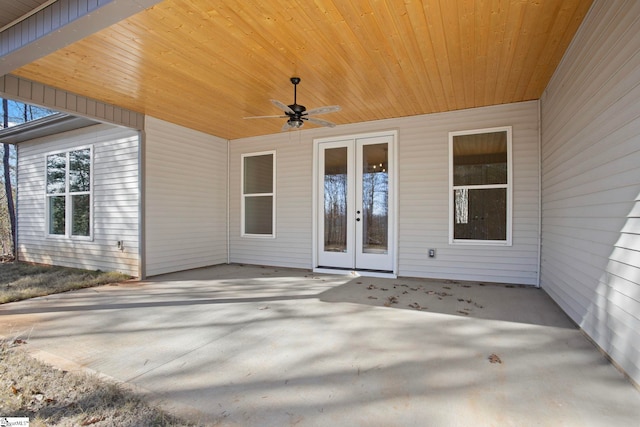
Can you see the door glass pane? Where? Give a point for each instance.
(335, 199)
(375, 198)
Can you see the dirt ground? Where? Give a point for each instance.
(54, 397)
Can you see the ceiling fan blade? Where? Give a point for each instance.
(282, 106)
(320, 122)
(323, 110)
(266, 117)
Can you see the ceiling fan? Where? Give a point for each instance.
(297, 114)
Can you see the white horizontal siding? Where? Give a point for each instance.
(185, 198)
(591, 181)
(115, 201)
(292, 245)
(423, 196)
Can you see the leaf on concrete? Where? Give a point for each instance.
(391, 300)
(494, 358)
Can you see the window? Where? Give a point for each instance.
(68, 193)
(258, 194)
(480, 186)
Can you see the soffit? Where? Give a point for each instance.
(45, 126)
(13, 10)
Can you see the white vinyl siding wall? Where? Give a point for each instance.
(292, 245)
(591, 181)
(115, 201)
(185, 199)
(423, 168)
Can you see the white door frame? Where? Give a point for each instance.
(393, 202)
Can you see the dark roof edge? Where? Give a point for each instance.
(45, 126)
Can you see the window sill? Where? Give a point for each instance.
(70, 238)
(258, 236)
(480, 243)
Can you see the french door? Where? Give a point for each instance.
(355, 225)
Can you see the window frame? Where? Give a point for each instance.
(68, 196)
(508, 186)
(244, 196)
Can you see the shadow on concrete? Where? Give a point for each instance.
(510, 303)
(257, 347)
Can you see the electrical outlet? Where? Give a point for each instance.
(432, 253)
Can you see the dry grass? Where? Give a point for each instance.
(20, 280)
(52, 397)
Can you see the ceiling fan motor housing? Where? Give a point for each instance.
(297, 109)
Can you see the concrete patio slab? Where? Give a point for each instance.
(250, 346)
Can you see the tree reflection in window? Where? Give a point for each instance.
(375, 198)
(79, 170)
(56, 173)
(56, 184)
(56, 215)
(335, 200)
(69, 186)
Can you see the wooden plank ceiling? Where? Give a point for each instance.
(208, 64)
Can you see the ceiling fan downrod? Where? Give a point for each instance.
(295, 81)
